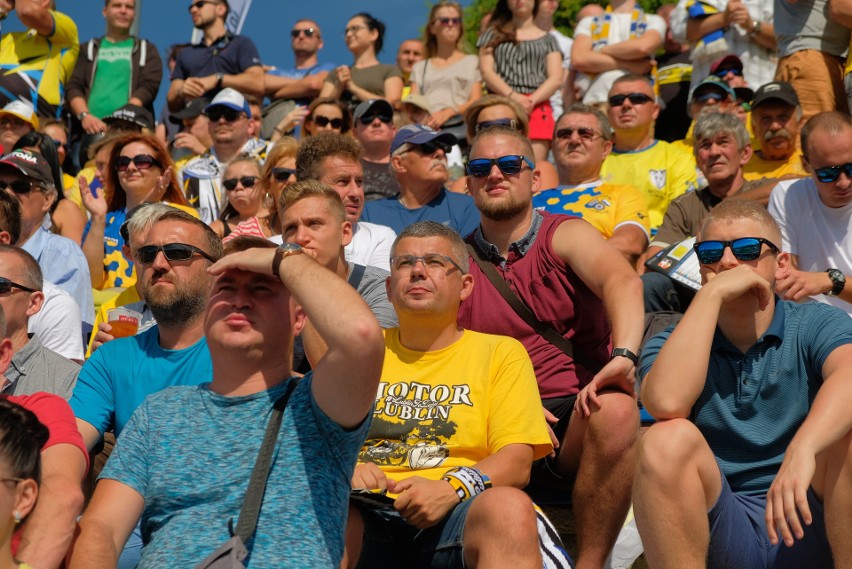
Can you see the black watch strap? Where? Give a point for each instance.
(625, 353)
(838, 281)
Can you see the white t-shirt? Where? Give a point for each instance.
(58, 324)
(565, 45)
(820, 236)
(619, 31)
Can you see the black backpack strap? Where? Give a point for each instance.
(356, 275)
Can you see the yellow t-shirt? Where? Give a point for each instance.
(758, 168)
(453, 407)
(661, 172)
(605, 206)
(27, 58)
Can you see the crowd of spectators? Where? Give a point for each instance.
(371, 314)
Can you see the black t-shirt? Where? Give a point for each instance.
(379, 182)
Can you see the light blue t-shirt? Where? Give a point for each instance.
(190, 452)
(122, 373)
(456, 211)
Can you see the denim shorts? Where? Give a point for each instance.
(738, 535)
(389, 541)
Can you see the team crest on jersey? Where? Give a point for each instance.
(598, 204)
(658, 178)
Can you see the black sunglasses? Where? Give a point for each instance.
(216, 113)
(6, 286)
(19, 187)
(634, 98)
(322, 121)
(744, 249)
(429, 148)
(141, 161)
(508, 165)
(510, 123)
(172, 251)
(201, 3)
(283, 174)
(245, 181)
(309, 33)
(828, 174)
(368, 119)
(584, 132)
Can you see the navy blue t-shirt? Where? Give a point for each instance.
(230, 55)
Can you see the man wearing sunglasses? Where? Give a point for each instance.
(335, 160)
(660, 170)
(231, 131)
(302, 83)
(571, 279)
(374, 129)
(419, 162)
(27, 177)
(776, 117)
(581, 142)
(219, 60)
(753, 441)
(814, 215)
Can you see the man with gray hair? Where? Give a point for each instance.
(419, 162)
(722, 148)
(581, 142)
(26, 175)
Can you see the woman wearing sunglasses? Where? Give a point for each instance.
(493, 110)
(521, 61)
(241, 180)
(366, 78)
(327, 115)
(448, 78)
(139, 170)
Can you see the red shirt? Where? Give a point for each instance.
(555, 294)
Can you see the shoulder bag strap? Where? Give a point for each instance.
(544, 330)
(257, 484)
(356, 276)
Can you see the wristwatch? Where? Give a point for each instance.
(755, 27)
(282, 251)
(81, 116)
(838, 281)
(624, 353)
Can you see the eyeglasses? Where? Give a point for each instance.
(448, 21)
(829, 174)
(709, 96)
(722, 73)
(309, 33)
(141, 161)
(432, 262)
(245, 181)
(198, 5)
(323, 122)
(172, 251)
(429, 148)
(216, 113)
(6, 286)
(353, 29)
(508, 165)
(586, 134)
(20, 187)
(509, 123)
(368, 119)
(744, 249)
(11, 122)
(283, 174)
(634, 98)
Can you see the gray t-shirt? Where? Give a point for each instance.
(189, 452)
(805, 24)
(372, 290)
(378, 180)
(34, 368)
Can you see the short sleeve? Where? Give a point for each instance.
(485, 38)
(584, 27)
(54, 413)
(778, 210)
(93, 399)
(657, 24)
(632, 209)
(650, 351)
(247, 56)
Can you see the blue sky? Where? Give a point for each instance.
(166, 22)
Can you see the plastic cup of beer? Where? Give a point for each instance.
(124, 322)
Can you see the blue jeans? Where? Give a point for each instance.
(132, 552)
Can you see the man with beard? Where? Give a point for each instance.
(419, 162)
(172, 251)
(574, 281)
(776, 116)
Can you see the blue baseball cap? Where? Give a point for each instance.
(420, 134)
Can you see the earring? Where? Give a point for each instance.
(17, 517)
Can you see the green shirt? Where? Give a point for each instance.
(111, 86)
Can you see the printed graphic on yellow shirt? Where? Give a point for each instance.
(411, 424)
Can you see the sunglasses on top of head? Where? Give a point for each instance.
(508, 165)
(141, 161)
(634, 98)
(172, 251)
(744, 249)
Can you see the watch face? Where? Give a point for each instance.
(290, 248)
